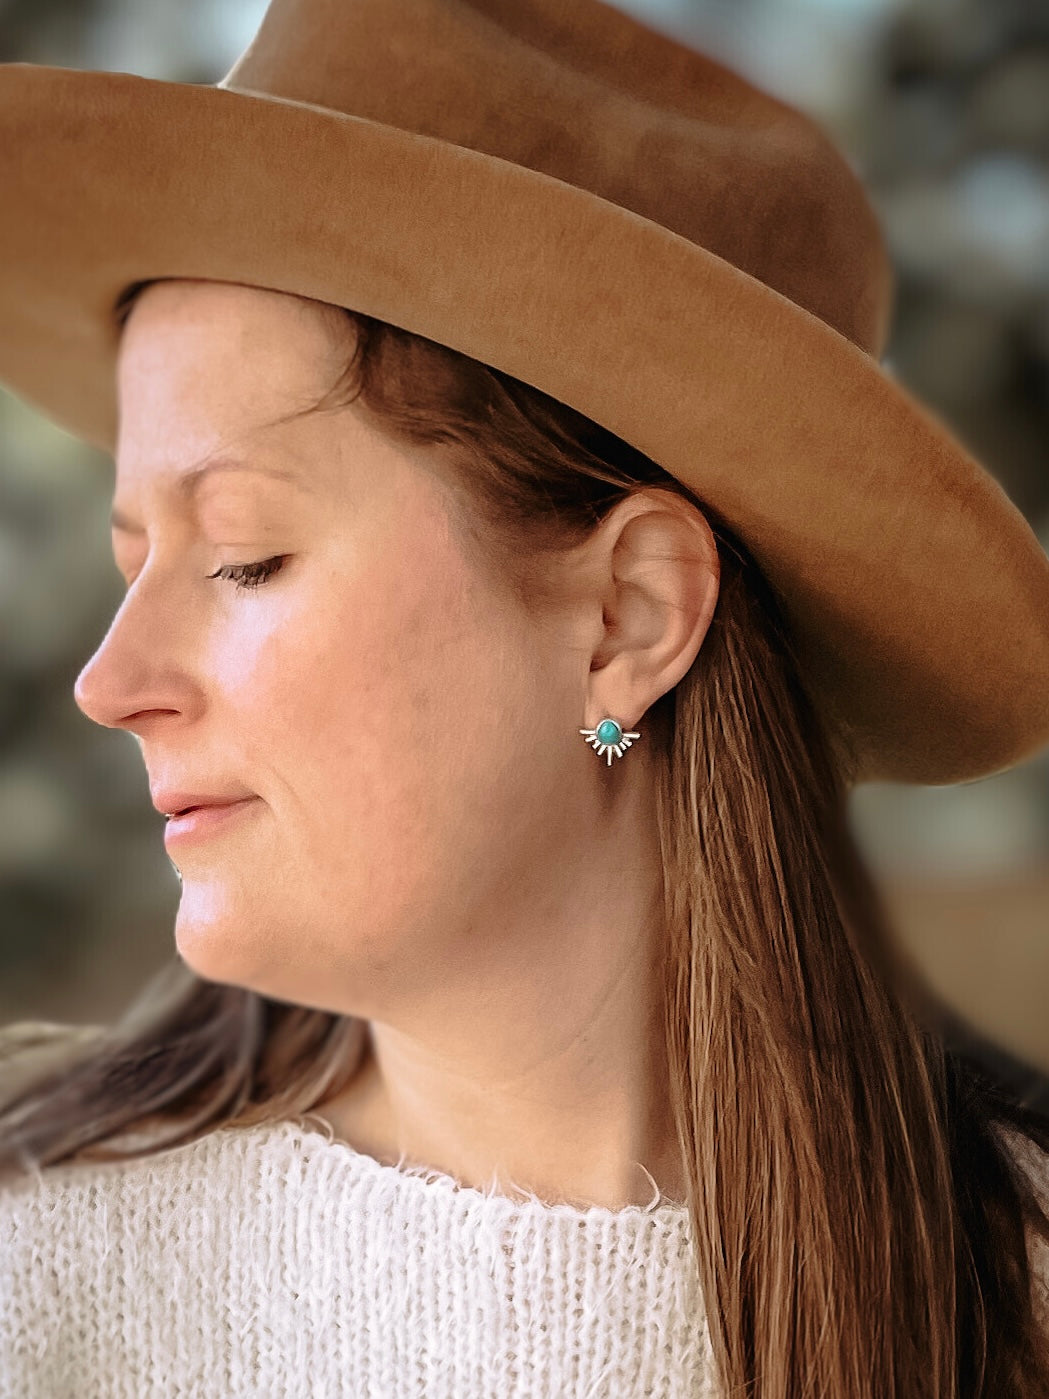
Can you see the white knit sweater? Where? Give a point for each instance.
(275, 1262)
(272, 1262)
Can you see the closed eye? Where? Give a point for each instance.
(250, 575)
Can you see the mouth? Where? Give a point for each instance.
(204, 806)
(195, 822)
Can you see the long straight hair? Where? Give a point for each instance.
(859, 1217)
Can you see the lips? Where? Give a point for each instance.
(175, 803)
(203, 822)
(201, 806)
(206, 806)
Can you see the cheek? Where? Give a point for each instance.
(377, 713)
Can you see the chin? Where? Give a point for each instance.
(215, 946)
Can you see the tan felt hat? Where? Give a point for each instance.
(580, 201)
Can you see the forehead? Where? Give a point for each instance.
(208, 370)
(178, 320)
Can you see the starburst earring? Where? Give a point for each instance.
(609, 738)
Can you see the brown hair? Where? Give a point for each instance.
(859, 1222)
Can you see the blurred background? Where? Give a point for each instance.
(943, 108)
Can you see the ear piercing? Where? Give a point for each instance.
(609, 738)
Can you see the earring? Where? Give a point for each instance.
(609, 738)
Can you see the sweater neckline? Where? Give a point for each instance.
(316, 1134)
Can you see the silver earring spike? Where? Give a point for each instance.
(609, 738)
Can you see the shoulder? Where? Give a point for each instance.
(82, 1242)
(1032, 1160)
(31, 1051)
(1034, 1163)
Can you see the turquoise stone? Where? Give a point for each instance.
(608, 731)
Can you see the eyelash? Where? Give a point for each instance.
(250, 575)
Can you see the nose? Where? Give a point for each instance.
(135, 674)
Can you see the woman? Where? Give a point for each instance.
(489, 1071)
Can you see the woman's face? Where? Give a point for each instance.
(397, 722)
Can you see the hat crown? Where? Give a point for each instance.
(590, 96)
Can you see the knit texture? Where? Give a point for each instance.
(272, 1261)
(276, 1261)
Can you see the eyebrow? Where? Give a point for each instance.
(187, 484)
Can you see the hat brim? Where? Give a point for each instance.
(917, 592)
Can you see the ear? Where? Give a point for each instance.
(654, 576)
